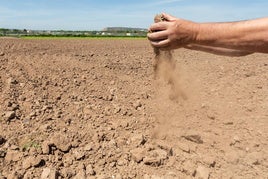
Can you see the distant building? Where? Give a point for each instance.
(128, 29)
(105, 33)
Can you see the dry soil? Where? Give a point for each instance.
(93, 109)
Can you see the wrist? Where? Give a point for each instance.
(187, 32)
(202, 33)
(196, 31)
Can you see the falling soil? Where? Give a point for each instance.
(168, 79)
(165, 68)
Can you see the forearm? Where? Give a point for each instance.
(218, 50)
(249, 36)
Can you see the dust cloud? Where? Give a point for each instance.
(167, 71)
(165, 68)
(170, 93)
(168, 79)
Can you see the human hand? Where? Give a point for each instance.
(172, 33)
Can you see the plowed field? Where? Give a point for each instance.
(94, 109)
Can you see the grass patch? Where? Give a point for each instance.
(31, 144)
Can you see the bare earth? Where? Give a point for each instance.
(94, 109)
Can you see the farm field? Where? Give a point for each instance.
(93, 108)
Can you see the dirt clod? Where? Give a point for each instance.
(13, 156)
(184, 147)
(81, 174)
(62, 142)
(90, 171)
(49, 173)
(201, 172)
(138, 154)
(45, 147)
(78, 154)
(137, 104)
(32, 162)
(155, 157)
(138, 140)
(9, 115)
(194, 138)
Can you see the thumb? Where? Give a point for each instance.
(168, 17)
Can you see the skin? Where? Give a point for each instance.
(218, 50)
(230, 38)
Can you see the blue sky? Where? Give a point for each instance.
(98, 14)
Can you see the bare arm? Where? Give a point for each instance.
(218, 50)
(250, 36)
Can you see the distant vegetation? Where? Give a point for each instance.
(107, 32)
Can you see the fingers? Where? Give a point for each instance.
(163, 44)
(158, 26)
(160, 35)
(168, 17)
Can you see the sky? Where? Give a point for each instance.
(98, 14)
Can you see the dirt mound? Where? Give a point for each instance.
(90, 109)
